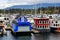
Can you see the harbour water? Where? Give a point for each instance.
(43, 36)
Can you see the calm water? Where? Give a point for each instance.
(45, 36)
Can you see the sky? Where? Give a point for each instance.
(8, 3)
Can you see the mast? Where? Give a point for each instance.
(41, 10)
(35, 10)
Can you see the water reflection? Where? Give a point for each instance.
(43, 36)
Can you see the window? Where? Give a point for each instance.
(50, 17)
(47, 26)
(43, 26)
(1, 21)
(56, 22)
(38, 27)
(39, 21)
(52, 21)
(46, 21)
(43, 21)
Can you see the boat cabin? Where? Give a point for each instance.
(55, 25)
(42, 24)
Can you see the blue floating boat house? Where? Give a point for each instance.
(21, 25)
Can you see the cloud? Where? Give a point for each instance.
(3, 3)
(8, 3)
(35, 1)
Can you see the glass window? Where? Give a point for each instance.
(52, 21)
(4, 18)
(39, 21)
(56, 22)
(47, 21)
(47, 26)
(38, 26)
(43, 26)
(1, 21)
(43, 21)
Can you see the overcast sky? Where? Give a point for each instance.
(7, 3)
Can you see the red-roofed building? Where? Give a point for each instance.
(42, 24)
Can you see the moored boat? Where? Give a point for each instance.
(21, 25)
(42, 24)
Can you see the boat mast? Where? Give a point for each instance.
(41, 13)
(35, 10)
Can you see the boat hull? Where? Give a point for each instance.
(43, 30)
(55, 29)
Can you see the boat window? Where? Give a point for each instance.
(52, 21)
(47, 26)
(40, 26)
(1, 21)
(43, 21)
(43, 26)
(56, 22)
(50, 17)
(4, 18)
(47, 21)
(39, 21)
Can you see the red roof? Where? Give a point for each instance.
(41, 18)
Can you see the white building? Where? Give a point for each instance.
(55, 23)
